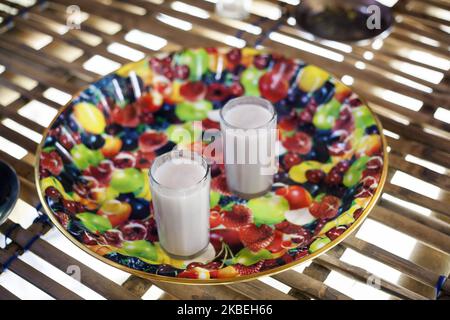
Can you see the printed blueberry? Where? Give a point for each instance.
(169, 146)
(49, 141)
(126, 197)
(313, 189)
(324, 93)
(93, 141)
(129, 140)
(372, 129)
(140, 209)
(72, 124)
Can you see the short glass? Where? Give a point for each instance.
(249, 151)
(181, 207)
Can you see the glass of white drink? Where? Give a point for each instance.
(179, 182)
(248, 127)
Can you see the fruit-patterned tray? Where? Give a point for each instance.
(92, 165)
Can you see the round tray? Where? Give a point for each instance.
(92, 164)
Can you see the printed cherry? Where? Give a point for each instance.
(300, 142)
(273, 87)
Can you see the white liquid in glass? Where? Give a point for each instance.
(179, 173)
(248, 116)
(249, 140)
(181, 205)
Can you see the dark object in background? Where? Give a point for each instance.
(9, 190)
(344, 21)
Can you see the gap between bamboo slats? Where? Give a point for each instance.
(426, 220)
(309, 285)
(12, 44)
(38, 279)
(365, 277)
(431, 176)
(71, 40)
(417, 272)
(27, 68)
(133, 21)
(412, 228)
(61, 260)
(420, 150)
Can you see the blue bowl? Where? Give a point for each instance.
(9, 190)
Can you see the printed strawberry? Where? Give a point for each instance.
(239, 216)
(327, 208)
(52, 162)
(219, 184)
(299, 235)
(256, 238)
(247, 270)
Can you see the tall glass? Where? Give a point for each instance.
(248, 127)
(179, 182)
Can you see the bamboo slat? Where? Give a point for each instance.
(7, 295)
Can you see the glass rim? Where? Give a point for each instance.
(251, 100)
(180, 154)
